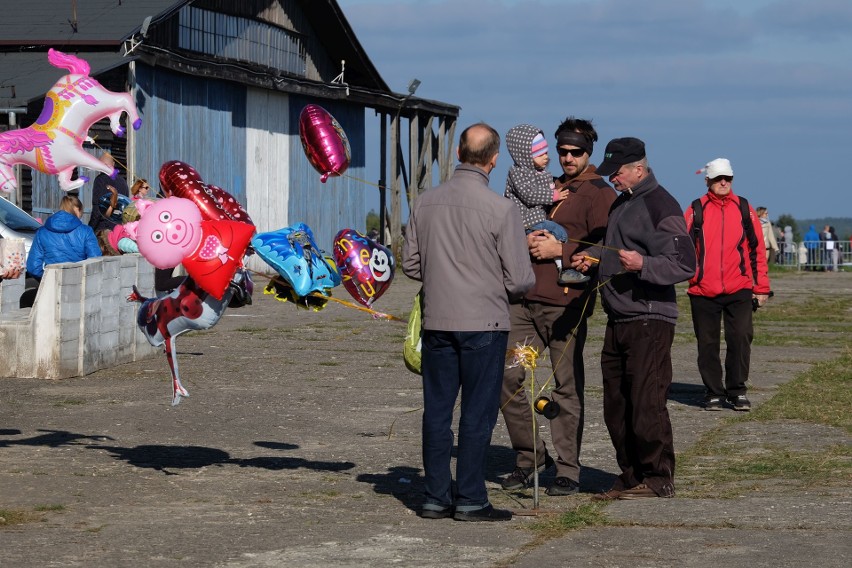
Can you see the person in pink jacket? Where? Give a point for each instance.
(730, 281)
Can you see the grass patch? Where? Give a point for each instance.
(583, 516)
(766, 339)
(820, 395)
(10, 517)
(816, 308)
(69, 402)
(717, 467)
(42, 508)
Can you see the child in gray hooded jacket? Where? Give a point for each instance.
(530, 186)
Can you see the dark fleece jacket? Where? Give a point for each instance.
(649, 221)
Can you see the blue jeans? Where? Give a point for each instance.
(555, 229)
(472, 361)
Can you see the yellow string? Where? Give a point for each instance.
(374, 313)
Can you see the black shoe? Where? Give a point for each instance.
(437, 513)
(563, 486)
(740, 402)
(570, 276)
(488, 513)
(713, 403)
(521, 477)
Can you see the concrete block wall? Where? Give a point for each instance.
(80, 321)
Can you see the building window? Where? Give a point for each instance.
(241, 39)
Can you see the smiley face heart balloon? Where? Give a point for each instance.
(324, 141)
(365, 266)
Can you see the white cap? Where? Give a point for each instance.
(716, 168)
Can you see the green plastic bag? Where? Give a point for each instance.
(413, 335)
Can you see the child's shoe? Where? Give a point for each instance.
(570, 276)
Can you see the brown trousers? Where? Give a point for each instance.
(636, 364)
(542, 325)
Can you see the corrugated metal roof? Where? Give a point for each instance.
(103, 25)
(97, 22)
(29, 75)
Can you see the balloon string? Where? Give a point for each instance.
(571, 336)
(374, 313)
(357, 307)
(363, 181)
(117, 161)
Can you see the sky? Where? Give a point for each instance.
(764, 83)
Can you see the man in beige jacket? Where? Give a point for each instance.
(466, 244)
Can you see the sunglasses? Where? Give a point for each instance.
(717, 179)
(575, 152)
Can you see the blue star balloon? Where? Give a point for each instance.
(294, 254)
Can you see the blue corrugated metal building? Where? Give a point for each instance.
(220, 85)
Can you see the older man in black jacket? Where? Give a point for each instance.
(647, 251)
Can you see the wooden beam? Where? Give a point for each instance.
(413, 159)
(383, 183)
(396, 190)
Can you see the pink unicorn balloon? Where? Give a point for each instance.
(54, 144)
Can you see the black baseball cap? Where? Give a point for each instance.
(618, 152)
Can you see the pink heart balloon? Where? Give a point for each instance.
(324, 141)
(365, 266)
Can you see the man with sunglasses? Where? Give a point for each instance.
(647, 251)
(554, 316)
(730, 282)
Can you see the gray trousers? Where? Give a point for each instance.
(542, 325)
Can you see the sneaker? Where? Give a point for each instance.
(444, 513)
(740, 402)
(641, 491)
(521, 477)
(570, 276)
(713, 403)
(563, 486)
(488, 513)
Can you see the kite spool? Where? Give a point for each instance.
(546, 407)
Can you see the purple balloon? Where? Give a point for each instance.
(324, 141)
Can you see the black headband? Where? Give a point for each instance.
(571, 138)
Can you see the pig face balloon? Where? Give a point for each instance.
(169, 231)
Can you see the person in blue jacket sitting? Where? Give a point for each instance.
(64, 238)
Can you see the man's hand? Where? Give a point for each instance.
(761, 299)
(543, 245)
(582, 262)
(113, 200)
(631, 260)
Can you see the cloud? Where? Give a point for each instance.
(695, 78)
(819, 21)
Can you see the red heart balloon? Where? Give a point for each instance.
(233, 210)
(182, 180)
(365, 266)
(324, 141)
(219, 254)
